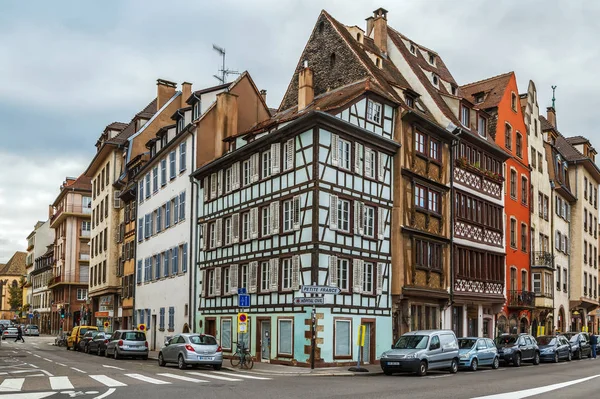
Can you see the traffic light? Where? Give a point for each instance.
(62, 313)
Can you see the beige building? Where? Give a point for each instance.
(10, 274)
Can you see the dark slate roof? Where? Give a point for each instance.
(117, 126)
(149, 111)
(493, 89)
(545, 124)
(15, 266)
(567, 150)
(577, 140)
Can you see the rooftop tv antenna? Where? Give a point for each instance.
(223, 71)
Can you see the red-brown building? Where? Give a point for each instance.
(499, 97)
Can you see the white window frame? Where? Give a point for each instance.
(369, 221)
(265, 276)
(267, 164)
(228, 181)
(288, 215)
(374, 110)
(341, 213)
(343, 274)
(536, 278)
(368, 278)
(285, 351)
(246, 227)
(336, 338)
(266, 221)
(228, 230)
(344, 151)
(286, 274)
(246, 172)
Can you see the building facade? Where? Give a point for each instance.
(11, 274)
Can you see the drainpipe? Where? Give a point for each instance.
(551, 210)
(455, 142)
(193, 255)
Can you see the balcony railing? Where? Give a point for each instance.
(70, 208)
(70, 277)
(521, 299)
(542, 258)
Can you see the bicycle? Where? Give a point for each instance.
(242, 357)
(61, 340)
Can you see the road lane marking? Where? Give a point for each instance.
(180, 377)
(109, 382)
(58, 383)
(60, 364)
(536, 391)
(12, 384)
(80, 371)
(112, 367)
(240, 375)
(217, 377)
(147, 379)
(441, 376)
(28, 352)
(105, 394)
(48, 360)
(37, 356)
(32, 365)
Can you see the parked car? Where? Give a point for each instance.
(77, 334)
(553, 348)
(97, 344)
(127, 343)
(420, 351)
(82, 346)
(31, 330)
(10, 332)
(192, 349)
(518, 348)
(475, 352)
(580, 345)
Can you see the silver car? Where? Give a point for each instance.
(127, 343)
(192, 349)
(10, 332)
(31, 330)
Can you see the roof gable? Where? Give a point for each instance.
(492, 90)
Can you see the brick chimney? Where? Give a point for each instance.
(263, 94)
(551, 116)
(165, 90)
(380, 29)
(186, 92)
(306, 91)
(227, 120)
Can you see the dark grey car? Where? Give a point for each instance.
(98, 344)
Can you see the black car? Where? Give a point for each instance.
(553, 348)
(517, 348)
(82, 345)
(98, 344)
(580, 345)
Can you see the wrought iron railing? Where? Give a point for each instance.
(521, 299)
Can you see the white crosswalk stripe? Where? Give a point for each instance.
(240, 375)
(181, 377)
(109, 382)
(216, 377)
(144, 378)
(60, 383)
(12, 384)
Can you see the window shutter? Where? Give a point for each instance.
(368, 164)
(275, 157)
(275, 217)
(220, 183)
(253, 277)
(213, 186)
(357, 153)
(380, 167)
(567, 251)
(380, 222)
(204, 236)
(254, 222)
(568, 212)
(295, 272)
(217, 281)
(289, 154)
(235, 176)
(333, 205)
(296, 212)
(379, 278)
(359, 218)
(333, 271)
(254, 166)
(274, 274)
(117, 200)
(219, 232)
(557, 240)
(235, 227)
(233, 279)
(334, 150)
(357, 275)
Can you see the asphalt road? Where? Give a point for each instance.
(37, 369)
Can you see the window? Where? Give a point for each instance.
(212, 234)
(465, 115)
(264, 276)
(226, 334)
(537, 282)
(523, 280)
(246, 226)
(344, 154)
(427, 199)
(266, 221)
(289, 154)
(228, 231)
(533, 158)
(524, 193)
(428, 254)
(420, 140)
(369, 215)
(519, 145)
(171, 319)
(246, 172)
(482, 126)
(82, 294)
(434, 150)
(182, 156)
(434, 201)
(343, 215)
(286, 274)
(342, 338)
(513, 233)
(211, 282)
(513, 101)
(228, 173)
(147, 179)
(513, 184)
(367, 283)
(172, 166)
(374, 112)
(288, 216)
(370, 164)
(225, 279)
(410, 102)
(523, 237)
(244, 276)
(343, 271)
(565, 279)
(434, 79)
(508, 136)
(285, 337)
(420, 197)
(163, 172)
(540, 162)
(181, 205)
(266, 164)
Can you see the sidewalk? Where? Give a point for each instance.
(291, 371)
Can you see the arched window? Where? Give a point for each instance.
(508, 136)
(519, 145)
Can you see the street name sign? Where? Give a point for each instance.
(309, 301)
(319, 289)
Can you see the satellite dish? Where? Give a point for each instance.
(451, 127)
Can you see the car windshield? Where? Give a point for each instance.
(82, 331)
(506, 340)
(203, 340)
(546, 340)
(133, 336)
(466, 343)
(573, 338)
(412, 342)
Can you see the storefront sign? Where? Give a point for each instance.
(103, 314)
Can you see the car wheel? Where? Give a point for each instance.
(569, 357)
(161, 360)
(496, 363)
(116, 355)
(87, 349)
(578, 355)
(517, 360)
(217, 366)
(422, 368)
(474, 364)
(387, 372)
(556, 359)
(536, 358)
(181, 363)
(454, 366)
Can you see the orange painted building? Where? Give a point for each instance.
(499, 96)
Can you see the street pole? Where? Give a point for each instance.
(313, 338)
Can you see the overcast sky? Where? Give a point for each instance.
(69, 68)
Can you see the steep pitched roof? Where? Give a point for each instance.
(545, 124)
(492, 89)
(117, 126)
(81, 183)
(577, 140)
(15, 266)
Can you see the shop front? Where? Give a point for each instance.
(105, 313)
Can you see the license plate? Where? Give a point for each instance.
(134, 346)
(205, 358)
(393, 363)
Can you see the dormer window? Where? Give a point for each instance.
(413, 50)
(410, 102)
(513, 102)
(378, 62)
(481, 126)
(180, 124)
(432, 59)
(435, 79)
(465, 116)
(453, 90)
(374, 112)
(479, 98)
(196, 110)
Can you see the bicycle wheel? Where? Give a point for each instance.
(235, 360)
(249, 363)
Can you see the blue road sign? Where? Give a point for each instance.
(244, 300)
(31, 315)
(242, 291)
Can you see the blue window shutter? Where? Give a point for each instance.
(175, 253)
(139, 271)
(157, 268)
(176, 210)
(161, 320)
(167, 262)
(141, 192)
(148, 192)
(147, 318)
(184, 258)
(140, 229)
(168, 214)
(182, 206)
(159, 219)
(163, 172)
